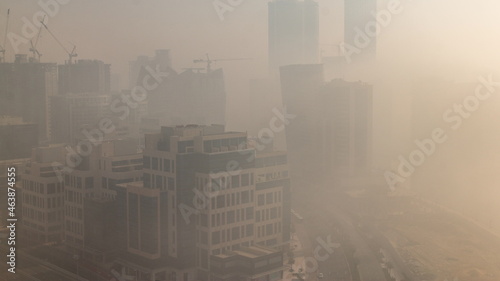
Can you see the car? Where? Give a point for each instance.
(320, 275)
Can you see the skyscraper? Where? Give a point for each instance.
(343, 129)
(293, 33)
(85, 76)
(25, 90)
(17, 138)
(357, 16)
(70, 114)
(299, 86)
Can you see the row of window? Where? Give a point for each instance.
(78, 182)
(269, 198)
(268, 229)
(159, 164)
(223, 182)
(73, 196)
(227, 235)
(159, 182)
(39, 216)
(228, 217)
(37, 187)
(74, 227)
(233, 199)
(39, 202)
(268, 214)
(73, 212)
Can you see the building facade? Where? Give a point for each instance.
(196, 209)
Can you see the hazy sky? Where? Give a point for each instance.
(453, 39)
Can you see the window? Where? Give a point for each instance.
(51, 188)
(249, 213)
(155, 163)
(245, 197)
(158, 182)
(89, 182)
(274, 213)
(235, 180)
(147, 180)
(230, 217)
(269, 198)
(221, 202)
(147, 162)
(166, 165)
(235, 233)
(260, 200)
(245, 180)
(216, 237)
(171, 183)
(203, 237)
(249, 230)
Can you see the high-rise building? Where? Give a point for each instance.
(358, 16)
(43, 197)
(91, 188)
(84, 76)
(293, 33)
(71, 114)
(299, 86)
(161, 60)
(343, 129)
(17, 138)
(194, 217)
(25, 90)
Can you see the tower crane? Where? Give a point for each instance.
(71, 54)
(209, 61)
(2, 47)
(33, 48)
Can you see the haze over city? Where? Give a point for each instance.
(238, 140)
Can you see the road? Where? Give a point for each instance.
(359, 257)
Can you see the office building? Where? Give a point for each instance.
(343, 129)
(91, 188)
(43, 197)
(84, 76)
(299, 86)
(193, 218)
(25, 91)
(17, 138)
(72, 114)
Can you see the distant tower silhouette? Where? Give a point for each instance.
(293, 33)
(357, 15)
